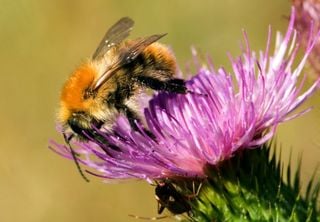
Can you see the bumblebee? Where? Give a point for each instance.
(168, 197)
(108, 83)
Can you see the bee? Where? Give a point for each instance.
(168, 197)
(108, 83)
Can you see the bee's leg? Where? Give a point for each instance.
(102, 141)
(178, 85)
(148, 218)
(130, 114)
(171, 85)
(133, 118)
(96, 137)
(160, 208)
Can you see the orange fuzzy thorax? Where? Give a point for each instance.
(72, 94)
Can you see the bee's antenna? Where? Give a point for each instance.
(74, 156)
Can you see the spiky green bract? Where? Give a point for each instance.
(251, 187)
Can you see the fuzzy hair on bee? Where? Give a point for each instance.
(108, 83)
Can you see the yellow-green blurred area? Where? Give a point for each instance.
(41, 42)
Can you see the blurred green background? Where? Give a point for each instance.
(43, 41)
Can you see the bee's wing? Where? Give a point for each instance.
(116, 34)
(130, 54)
(126, 56)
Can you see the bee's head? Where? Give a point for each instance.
(82, 107)
(80, 122)
(83, 124)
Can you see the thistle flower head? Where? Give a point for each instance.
(225, 112)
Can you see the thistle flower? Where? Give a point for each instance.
(308, 15)
(226, 112)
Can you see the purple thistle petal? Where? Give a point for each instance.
(226, 113)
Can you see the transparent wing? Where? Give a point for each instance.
(130, 54)
(127, 55)
(116, 34)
